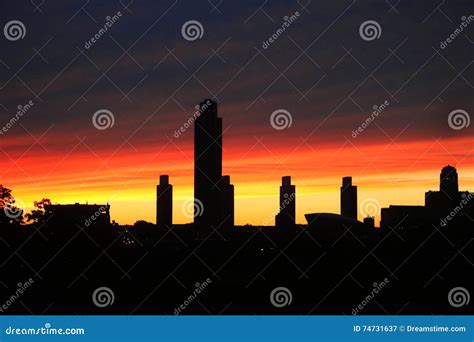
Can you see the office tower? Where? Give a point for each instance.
(227, 202)
(287, 214)
(348, 198)
(208, 169)
(164, 203)
(448, 183)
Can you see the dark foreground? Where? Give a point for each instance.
(151, 271)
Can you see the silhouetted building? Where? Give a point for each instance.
(447, 206)
(441, 203)
(164, 203)
(84, 215)
(287, 214)
(402, 217)
(448, 181)
(369, 221)
(227, 202)
(208, 188)
(348, 198)
(329, 227)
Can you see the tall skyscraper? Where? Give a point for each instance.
(287, 214)
(164, 203)
(210, 187)
(348, 198)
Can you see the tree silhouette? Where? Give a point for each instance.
(39, 214)
(9, 212)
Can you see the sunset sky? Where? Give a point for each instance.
(320, 70)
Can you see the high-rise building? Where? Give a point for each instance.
(214, 192)
(164, 203)
(441, 203)
(287, 213)
(348, 198)
(227, 202)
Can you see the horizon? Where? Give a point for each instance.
(149, 77)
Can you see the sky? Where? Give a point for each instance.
(322, 70)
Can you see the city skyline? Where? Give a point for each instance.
(55, 151)
(279, 158)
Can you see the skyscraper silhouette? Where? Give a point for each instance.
(348, 198)
(164, 203)
(210, 188)
(287, 214)
(227, 202)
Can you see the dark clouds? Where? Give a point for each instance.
(143, 69)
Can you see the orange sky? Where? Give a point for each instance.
(390, 173)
